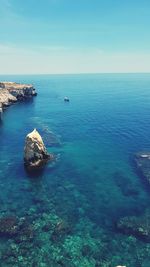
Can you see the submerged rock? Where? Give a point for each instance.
(35, 153)
(61, 229)
(17, 228)
(50, 139)
(125, 184)
(138, 226)
(142, 160)
(66, 99)
(8, 226)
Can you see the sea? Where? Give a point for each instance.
(66, 214)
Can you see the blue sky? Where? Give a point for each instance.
(74, 36)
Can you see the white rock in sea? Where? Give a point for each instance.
(35, 153)
(1, 110)
(1, 113)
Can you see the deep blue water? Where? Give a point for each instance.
(105, 123)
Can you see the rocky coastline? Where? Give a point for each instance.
(35, 153)
(11, 92)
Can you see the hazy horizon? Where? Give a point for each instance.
(81, 73)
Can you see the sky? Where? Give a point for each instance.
(74, 36)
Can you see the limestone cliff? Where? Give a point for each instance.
(35, 153)
(11, 92)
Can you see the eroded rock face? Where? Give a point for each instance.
(20, 91)
(11, 92)
(142, 160)
(35, 153)
(6, 98)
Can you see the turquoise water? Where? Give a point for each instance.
(72, 207)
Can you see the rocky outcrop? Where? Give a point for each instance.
(35, 153)
(20, 91)
(138, 226)
(11, 92)
(8, 226)
(142, 160)
(17, 228)
(1, 111)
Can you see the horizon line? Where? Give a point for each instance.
(74, 73)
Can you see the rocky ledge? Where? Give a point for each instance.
(142, 160)
(11, 92)
(138, 226)
(35, 153)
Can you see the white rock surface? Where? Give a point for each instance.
(11, 92)
(35, 152)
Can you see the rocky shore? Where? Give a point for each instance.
(11, 92)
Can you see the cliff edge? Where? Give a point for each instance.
(11, 92)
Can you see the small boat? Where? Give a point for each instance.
(66, 99)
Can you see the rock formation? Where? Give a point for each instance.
(142, 160)
(138, 226)
(16, 228)
(8, 226)
(1, 111)
(35, 153)
(11, 92)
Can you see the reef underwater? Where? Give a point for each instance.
(88, 205)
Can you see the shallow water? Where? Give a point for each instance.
(74, 205)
